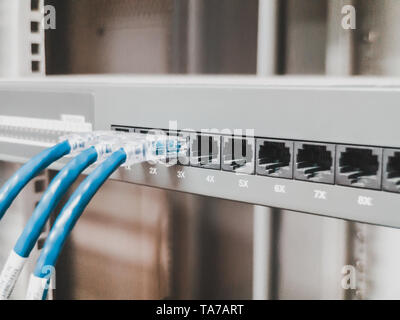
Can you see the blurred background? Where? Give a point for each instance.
(141, 243)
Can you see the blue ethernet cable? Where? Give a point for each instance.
(67, 219)
(27, 172)
(57, 188)
(29, 236)
(134, 150)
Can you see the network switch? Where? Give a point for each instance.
(326, 164)
(356, 166)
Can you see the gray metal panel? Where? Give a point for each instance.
(45, 104)
(341, 202)
(328, 115)
(348, 115)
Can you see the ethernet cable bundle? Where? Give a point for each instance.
(108, 151)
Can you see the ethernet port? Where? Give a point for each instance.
(274, 158)
(391, 175)
(122, 128)
(238, 154)
(146, 131)
(205, 150)
(314, 162)
(160, 152)
(179, 144)
(359, 167)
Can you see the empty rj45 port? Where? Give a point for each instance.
(122, 128)
(274, 158)
(205, 150)
(314, 162)
(391, 169)
(359, 166)
(238, 154)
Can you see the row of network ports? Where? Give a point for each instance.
(348, 165)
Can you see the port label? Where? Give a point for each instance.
(365, 201)
(181, 174)
(280, 188)
(320, 195)
(243, 183)
(153, 171)
(210, 179)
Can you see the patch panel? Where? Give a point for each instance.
(40, 132)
